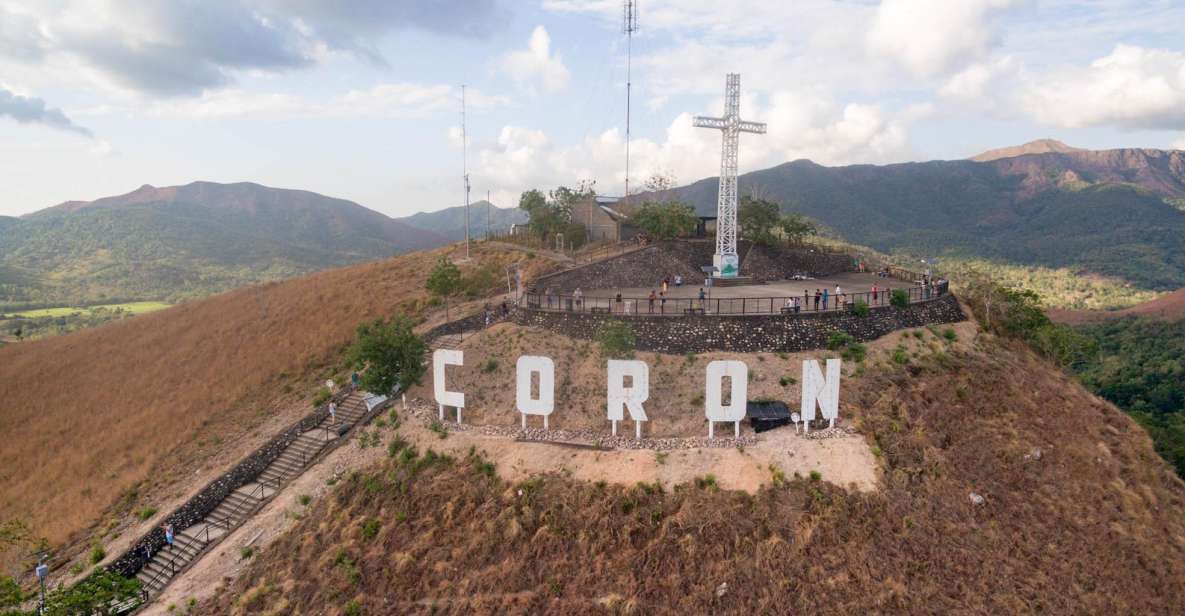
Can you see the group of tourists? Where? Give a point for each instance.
(823, 298)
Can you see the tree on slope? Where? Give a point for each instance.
(388, 353)
(444, 281)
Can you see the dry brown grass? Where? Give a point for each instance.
(94, 418)
(1096, 525)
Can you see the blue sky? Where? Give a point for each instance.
(360, 99)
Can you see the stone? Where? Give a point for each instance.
(722, 589)
(976, 499)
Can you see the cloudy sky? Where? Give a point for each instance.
(361, 98)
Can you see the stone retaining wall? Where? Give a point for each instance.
(648, 266)
(750, 333)
(206, 500)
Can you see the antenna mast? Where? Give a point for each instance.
(465, 167)
(629, 27)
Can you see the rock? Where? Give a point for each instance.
(1033, 455)
(976, 499)
(722, 589)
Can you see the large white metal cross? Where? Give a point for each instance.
(726, 261)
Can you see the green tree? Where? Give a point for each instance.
(553, 214)
(665, 220)
(98, 593)
(10, 592)
(389, 353)
(758, 219)
(444, 281)
(796, 228)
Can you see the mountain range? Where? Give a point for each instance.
(450, 222)
(1117, 212)
(191, 240)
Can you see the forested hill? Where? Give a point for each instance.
(191, 240)
(1114, 212)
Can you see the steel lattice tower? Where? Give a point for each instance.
(726, 261)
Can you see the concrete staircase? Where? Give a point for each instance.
(241, 504)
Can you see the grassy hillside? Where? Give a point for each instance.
(103, 416)
(1001, 210)
(188, 241)
(1079, 516)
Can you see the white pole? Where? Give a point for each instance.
(711, 432)
(404, 401)
(458, 415)
(614, 422)
(737, 427)
(441, 407)
(637, 430)
(524, 421)
(545, 423)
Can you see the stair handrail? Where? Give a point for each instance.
(172, 572)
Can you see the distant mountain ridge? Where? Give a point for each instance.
(1040, 146)
(183, 241)
(450, 222)
(1115, 212)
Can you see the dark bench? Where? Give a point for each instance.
(789, 310)
(694, 311)
(599, 310)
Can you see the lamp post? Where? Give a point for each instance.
(42, 572)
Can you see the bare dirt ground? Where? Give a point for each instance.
(1167, 307)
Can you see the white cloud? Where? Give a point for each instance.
(536, 65)
(1132, 88)
(933, 37)
(388, 100)
(1179, 144)
(804, 124)
(978, 80)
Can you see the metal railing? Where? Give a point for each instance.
(171, 570)
(796, 304)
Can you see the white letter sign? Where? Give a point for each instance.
(545, 403)
(440, 359)
(819, 391)
(621, 397)
(714, 408)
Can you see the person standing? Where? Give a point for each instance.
(825, 299)
(578, 295)
(168, 534)
(666, 282)
(702, 299)
(838, 297)
(651, 299)
(818, 296)
(662, 303)
(874, 291)
(333, 412)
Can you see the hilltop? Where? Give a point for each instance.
(1067, 482)
(188, 241)
(1117, 213)
(1040, 146)
(450, 222)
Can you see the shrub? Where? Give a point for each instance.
(322, 396)
(837, 340)
(439, 429)
(816, 476)
(707, 482)
(860, 308)
(370, 529)
(246, 552)
(899, 298)
(146, 512)
(855, 352)
(10, 592)
(97, 554)
(900, 355)
(617, 340)
(304, 500)
(489, 366)
(949, 334)
(353, 608)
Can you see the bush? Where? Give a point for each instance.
(489, 366)
(97, 554)
(900, 355)
(838, 340)
(146, 512)
(388, 353)
(899, 298)
(246, 552)
(370, 529)
(617, 340)
(860, 308)
(321, 397)
(855, 352)
(10, 592)
(787, 381)
(950, 334)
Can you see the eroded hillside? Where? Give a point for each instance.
(1078, 515)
